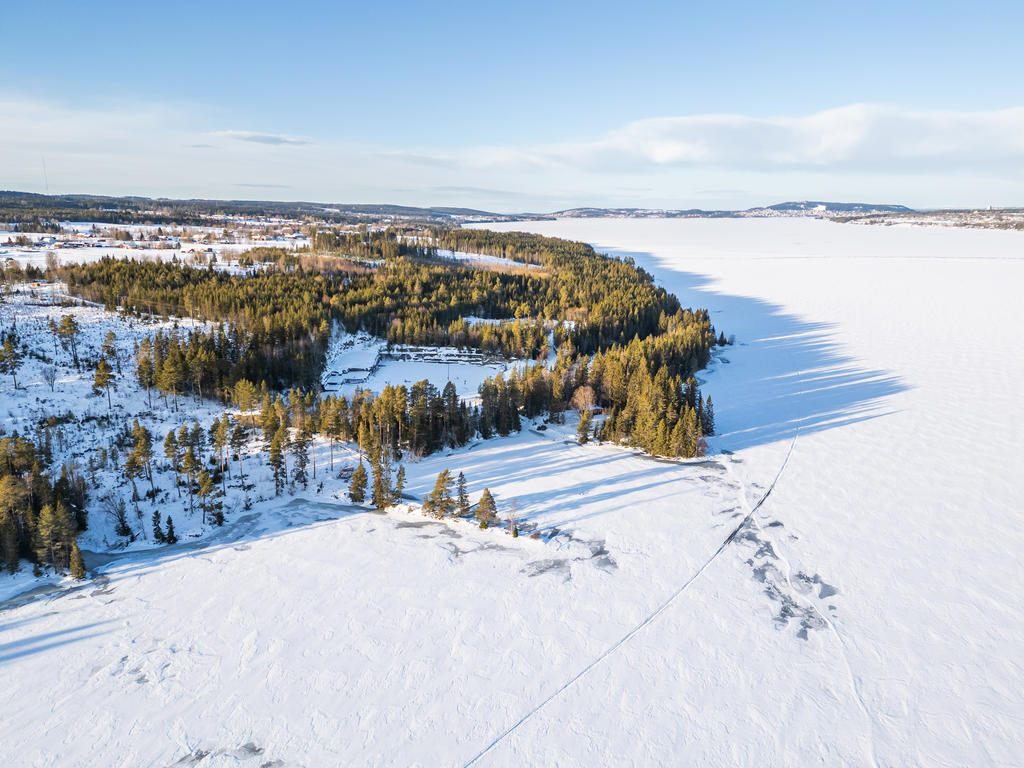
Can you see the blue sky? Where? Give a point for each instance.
(518, 106)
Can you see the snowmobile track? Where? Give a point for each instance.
(650, 618)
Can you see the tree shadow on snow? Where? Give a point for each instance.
(784, 375)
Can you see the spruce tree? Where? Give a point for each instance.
(237, 441)
(170, 535)
(300, 450)
(463, 495)
(381, 464)
(399, 484)
(77, 564)
(583, 429)
(440, 502)
(158, 532)
(54, 534)
(357, 486)
(486, 510)
(708, 425)
(277, 461)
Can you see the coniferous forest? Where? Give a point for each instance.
(600, 332)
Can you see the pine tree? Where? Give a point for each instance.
(103, 379)
(10, 357)
(300, 450)
(204, 489)
(237, 440)
(77, 564)
(583, 429)
(142, 450)
(68, 331)
(109, 350)
(462, 495)
(381, 464)
(440, 502)
(144, 368)
(269, 421)
(191, 467)
(173, 454)
(486, 510)
(54, 535)
(357, 486)
(132, 469)
(677, 439)
(277, 461)
(691, 429)
(170, 535)
(219, 436)
(399, 484)
(662, 440)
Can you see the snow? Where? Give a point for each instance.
(96, 248)
(848, 555)
(484, 260)
(361, 361)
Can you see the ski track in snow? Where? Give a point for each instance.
(647, 620)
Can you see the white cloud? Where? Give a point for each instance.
(276, 139)
(869, 152)
(857, 137)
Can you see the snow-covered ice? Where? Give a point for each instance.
(838, 583)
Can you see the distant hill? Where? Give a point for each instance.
(26, 206)
(815, 205)
(801, 208)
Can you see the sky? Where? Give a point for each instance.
(519, 106)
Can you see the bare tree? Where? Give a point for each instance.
(50, 376)
(583, 399)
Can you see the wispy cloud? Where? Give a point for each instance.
(263, 186)
(862, 151)
(276, 139)
(855, 137)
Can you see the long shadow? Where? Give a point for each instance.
(28, 646)
(107, 568)
(783, 375)
(297, 514)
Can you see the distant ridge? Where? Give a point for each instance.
(806, 205)
(792, 208)
(69, 206)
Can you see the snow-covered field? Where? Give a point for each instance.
(94, 249)
(360, 361)
(866, 611)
